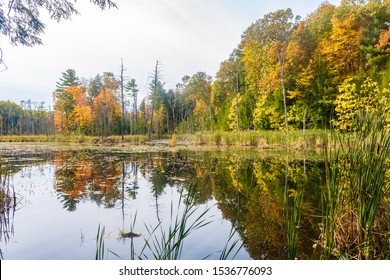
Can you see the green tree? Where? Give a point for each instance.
(68, 79)
(276, 28)
(231, 100)
(198, 89)
(314, 89)
(94, 87)
(132, 90)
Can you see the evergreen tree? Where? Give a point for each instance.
(68, 79)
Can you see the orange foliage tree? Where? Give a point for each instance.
(71, 111)
(106, 113)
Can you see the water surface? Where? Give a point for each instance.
(64, 196)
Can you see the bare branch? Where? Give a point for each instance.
(2, 61)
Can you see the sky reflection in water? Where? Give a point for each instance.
(64, 199)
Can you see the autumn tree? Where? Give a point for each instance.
(314, 89)
(271, 34)
(355, 99)
(71, 111)
(110, 82)
(277, 28)
(30, 117)
(198, 89)
(106, 113)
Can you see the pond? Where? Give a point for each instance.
(64, 198)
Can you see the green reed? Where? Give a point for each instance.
(292, 204)
(167, 243)
(100, 244)
(355, 223)
(231, 245)
(293, 220)
(8, 203)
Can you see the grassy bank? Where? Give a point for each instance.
(260, 139)
(115, 139)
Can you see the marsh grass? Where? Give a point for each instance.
(8, 203)
(292, 206)
(356, 223)
(293, 214)
(173, 141)
(100, 253)
(262, 139)
(59, 138)
(168, 244)
(231, 248)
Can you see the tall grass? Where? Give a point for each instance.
(356, 223)
(168, 244)
(59, 138)
(100, 253)
(231, 248)
(292, 205)
(8, 203)
(293, 214)
(263, 139)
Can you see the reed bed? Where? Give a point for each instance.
(263, 139)
(293, 203)
(58, 138)
(8, 202)
(356, 221)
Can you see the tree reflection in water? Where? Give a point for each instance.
(249, 191)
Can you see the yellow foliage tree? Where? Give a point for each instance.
(351, 100)
(341, 50)
(65, 119)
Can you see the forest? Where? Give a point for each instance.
(287, 73)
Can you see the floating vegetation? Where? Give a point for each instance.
(129, 234)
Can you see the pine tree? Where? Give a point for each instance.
(68, 79)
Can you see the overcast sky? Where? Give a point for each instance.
(187, 36)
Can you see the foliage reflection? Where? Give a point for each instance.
(253, 193)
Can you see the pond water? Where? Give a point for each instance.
(63, 197)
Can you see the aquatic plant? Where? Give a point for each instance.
(8, 202)
(161, 243)
(293, 214)
(100, 244)
(168, 244)
(355, 220)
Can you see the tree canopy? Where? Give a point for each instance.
(286, 73)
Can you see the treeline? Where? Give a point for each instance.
(30, 117)
(286, 73)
